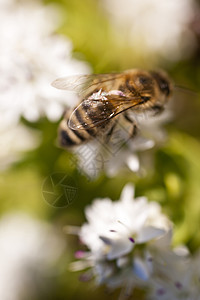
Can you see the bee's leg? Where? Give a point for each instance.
(134, 128)
(109, 133)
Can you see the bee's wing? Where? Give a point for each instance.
(95, 112)
(81, 84)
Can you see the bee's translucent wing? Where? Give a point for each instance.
(81, 84)
(95, 112)
(72, 83)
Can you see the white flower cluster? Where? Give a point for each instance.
(32, 55)
(153, 26)
(30, 250)
(129, 246)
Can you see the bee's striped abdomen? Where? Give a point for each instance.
(89, 119)
(69, 137)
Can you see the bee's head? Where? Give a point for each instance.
(163, 82)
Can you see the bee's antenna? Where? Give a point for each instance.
(186, 90)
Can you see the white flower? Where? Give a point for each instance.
(123, 237)
(154, 26)
(14, 141)
(31, 57)
(122, 151)
(115, 228)
(129, 246)
(29, 249)
(178, 278)
(150, 133)
(193, 276)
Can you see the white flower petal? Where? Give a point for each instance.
(120, 247)
(133, 163)
(140, 269)
(80, 265)
(103, 272)
(165, 240)
(181, 250)
(122, 262)
(149, 233)
(128, 193)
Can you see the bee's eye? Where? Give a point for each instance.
(164, 86)
(144, 80)
(162, 83)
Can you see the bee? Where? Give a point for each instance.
(107, 97)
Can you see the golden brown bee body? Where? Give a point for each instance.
(106, 96)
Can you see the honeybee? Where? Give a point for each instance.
(106, 97)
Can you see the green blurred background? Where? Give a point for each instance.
(175, 180)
